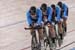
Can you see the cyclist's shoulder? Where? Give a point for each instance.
(57, 7)
(27, 12)
(38, 10)
(65, 5)
(49, 8)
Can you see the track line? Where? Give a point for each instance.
(59, 48)
(13, 24)
(66, 45)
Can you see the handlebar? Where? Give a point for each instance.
(33, 28)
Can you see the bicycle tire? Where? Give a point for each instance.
(34, 42)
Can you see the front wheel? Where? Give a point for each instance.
(60, 42)
(34, 42)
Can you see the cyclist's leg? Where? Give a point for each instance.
(44, 33)
(33, 39)
(41, 38)
(60, 30)
(53, 36)
(65, 24)
(31, 30)
(52, 33)
(65, 20)
(40, 32)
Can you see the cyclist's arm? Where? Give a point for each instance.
(50, 14)
(29, 19)
(65, 11)
(39, 17)
(58, 14)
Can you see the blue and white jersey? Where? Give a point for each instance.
(48, 14)
(38, 17)
(58, 17)
(65, 8)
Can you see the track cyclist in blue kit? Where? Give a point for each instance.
(64, 14)
(50, 17)
(47, 15)
(34, 18)
(56, 18)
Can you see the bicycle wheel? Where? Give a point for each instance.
(60, 42)
(51, 46)
(34, 41)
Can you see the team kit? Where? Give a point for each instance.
(50, 22)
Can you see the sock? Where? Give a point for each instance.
(65, 29)
(61, 36)
(53, 40)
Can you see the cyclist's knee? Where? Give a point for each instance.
(31, 31)
(52, 31)
(40, 30)
(59, 25)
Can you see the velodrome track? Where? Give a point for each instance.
(13, 20)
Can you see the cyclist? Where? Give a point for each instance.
(56, 18)
(34, 16)
(64, 13)
(47, 15)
